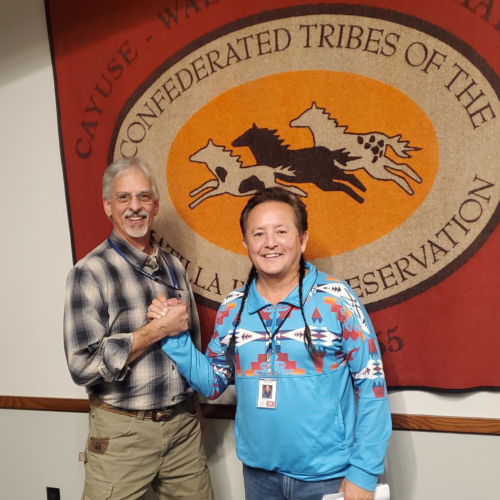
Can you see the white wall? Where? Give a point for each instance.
(40, 449)
(36, 248)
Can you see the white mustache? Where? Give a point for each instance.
(129, 212)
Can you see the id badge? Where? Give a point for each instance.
(268, 392)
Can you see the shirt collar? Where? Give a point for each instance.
(255, 302)
(134, 255)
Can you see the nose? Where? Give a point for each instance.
(270, 240)
(134, 203)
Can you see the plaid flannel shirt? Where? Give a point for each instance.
(107, 300)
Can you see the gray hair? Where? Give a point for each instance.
(119, 167)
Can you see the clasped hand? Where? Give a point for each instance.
(168, 317)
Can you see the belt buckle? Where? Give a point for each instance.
(162, 415)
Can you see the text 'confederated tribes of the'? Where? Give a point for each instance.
(432, 251)
(264, 43)
(244, 48)
(416, 55)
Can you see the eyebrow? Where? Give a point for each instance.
(138, 192)
(275, 227)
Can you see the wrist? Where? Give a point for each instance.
(149, 333)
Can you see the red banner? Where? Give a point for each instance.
(384, 116)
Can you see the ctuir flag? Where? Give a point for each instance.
(383, 116)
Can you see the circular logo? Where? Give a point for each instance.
(386, 131)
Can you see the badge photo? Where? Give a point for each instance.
(267, 392)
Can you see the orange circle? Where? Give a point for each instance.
(337, 223)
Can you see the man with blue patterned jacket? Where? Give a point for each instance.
(306, 335)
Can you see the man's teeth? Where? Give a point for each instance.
(270, 255)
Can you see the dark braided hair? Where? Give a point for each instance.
(307, 332)
(282, 196)
(232, 343)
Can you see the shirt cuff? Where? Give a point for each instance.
(116, 351)
(361, 478)
(165, 340)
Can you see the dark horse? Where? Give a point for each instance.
(316, 165)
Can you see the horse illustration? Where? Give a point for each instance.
(231, 178)
(370, 148)
(317, 165)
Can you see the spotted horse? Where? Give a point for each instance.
(370, 149)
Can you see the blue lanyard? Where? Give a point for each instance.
(269, 349)
(271, 336)
(145, 273)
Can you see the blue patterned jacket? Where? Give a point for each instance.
(332, 415)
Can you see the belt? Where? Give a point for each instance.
(155, 415)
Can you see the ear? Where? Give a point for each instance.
(303, 241)
(245, 244)
(156, 207)
(107, 208)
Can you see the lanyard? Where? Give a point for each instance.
(271, 337)
(145, 273)
(269, 348)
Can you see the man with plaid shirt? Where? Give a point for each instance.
(143, 430)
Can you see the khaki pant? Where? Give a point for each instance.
(124, 455)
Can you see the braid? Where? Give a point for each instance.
(232, 343)
(307, 332)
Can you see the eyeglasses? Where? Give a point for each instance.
(144, 197)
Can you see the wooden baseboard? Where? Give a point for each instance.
(426, 423)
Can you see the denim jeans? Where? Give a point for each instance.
(264, 485)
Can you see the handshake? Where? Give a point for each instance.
(167, 317)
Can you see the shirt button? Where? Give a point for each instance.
(173, 398)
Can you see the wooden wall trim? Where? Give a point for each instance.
(426, 423)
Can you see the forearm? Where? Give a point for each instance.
(110, 360)
(143, 339)
(194, 366)
(135, 353)
(373, 430)
(171, 321)
(373, 418)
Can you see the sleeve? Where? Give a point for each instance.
(209, 374)
(373, 421)
(92, 356)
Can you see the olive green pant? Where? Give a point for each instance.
(124, 455)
